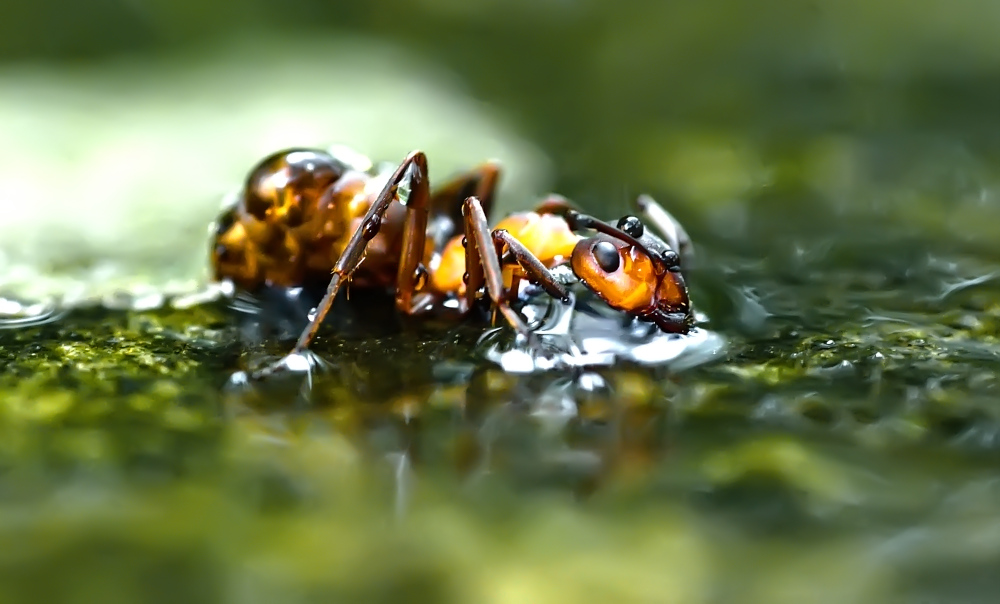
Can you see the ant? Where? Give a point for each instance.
(306, 214)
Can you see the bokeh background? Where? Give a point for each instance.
(125, 122)
(836, 161)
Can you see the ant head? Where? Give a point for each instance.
(631, 270)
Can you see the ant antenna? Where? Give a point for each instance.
(577, 220)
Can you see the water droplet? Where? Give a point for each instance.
(371, 227)
(420, 276)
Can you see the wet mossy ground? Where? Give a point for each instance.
(846, 444)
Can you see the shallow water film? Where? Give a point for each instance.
(832, 435)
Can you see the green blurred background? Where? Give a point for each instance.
(712, 102)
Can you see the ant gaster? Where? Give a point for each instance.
(306, 214)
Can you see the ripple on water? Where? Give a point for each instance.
(588, 333)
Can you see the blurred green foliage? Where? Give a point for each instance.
(587, 76)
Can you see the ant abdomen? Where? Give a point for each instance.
(261, 238)
(283, 191)
(293, 217)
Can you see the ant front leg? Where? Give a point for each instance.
(483, 265)
(354, 252)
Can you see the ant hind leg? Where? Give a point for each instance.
(300, 360)
(354, 252)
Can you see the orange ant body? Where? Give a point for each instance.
(308, 214)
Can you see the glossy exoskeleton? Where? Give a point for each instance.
(307, 214)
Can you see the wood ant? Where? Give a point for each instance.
(310, 214)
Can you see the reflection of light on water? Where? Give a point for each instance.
(14, 314)
(587, 333)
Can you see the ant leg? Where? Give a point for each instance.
(475, 274)
(420, 208)
(482, 265)
(485, 268)
(532, 266)
(411, 271)
(354, 252)
(676, 237)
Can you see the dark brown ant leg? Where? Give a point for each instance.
(676, 237)
(478, 238)
(532, 266)
(354, 252)
(420, 208)
(515, 285)
(414, 239)
(475, 275)
(486, 268)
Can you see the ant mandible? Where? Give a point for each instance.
(305, 214)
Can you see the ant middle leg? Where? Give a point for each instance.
(483, 265)
(445, 205)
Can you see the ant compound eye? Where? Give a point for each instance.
(607, 256)
(631, 226)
